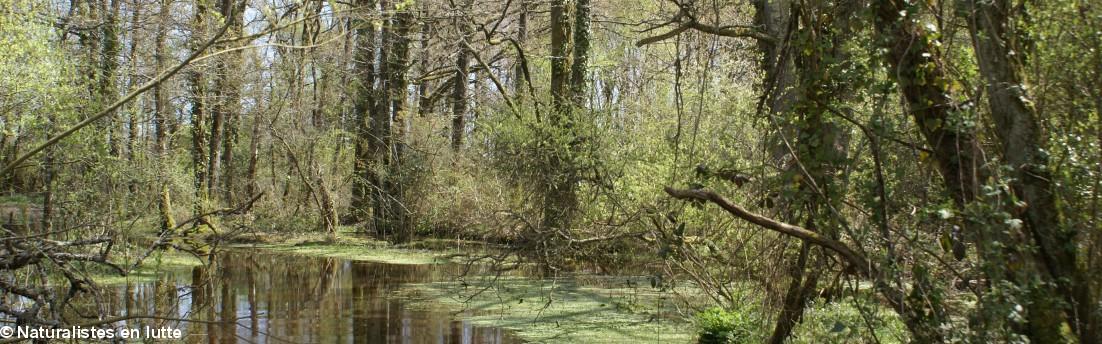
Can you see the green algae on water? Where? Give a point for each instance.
(562, 311)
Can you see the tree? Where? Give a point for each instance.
(1002, 51)
(460, 85)
(364, 179)
(560, 199)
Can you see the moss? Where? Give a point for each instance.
(562, 311)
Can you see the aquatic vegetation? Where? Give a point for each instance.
(562, 310)
(158, 264)
(360, 251)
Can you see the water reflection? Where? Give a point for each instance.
(247, 297)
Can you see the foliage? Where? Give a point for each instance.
(720, 326)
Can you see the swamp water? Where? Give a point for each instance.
(259, 297)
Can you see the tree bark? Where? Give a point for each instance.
(579, 67)
(1002, 51)
(459, 88)
(197, 85)
(397, 216)
(519, 80)
(424, 98)
(161, 113)
(109, 65)
(364, 108)
(559, 71)
(914, 56)
(133, 80)
(381, 130)
(560, 199)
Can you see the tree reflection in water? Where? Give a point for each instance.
(245, 297)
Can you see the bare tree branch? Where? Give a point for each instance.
(857, 260)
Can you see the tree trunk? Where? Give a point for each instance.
(108, 66)
(519, 81)
(560, 28)
(398, 60)
(560, 199)
(364, 108)
(161, 112)
(231, 96)
(579, 67)
(424, 100)
(1002, 50)
(819, 146)
(459, 88)
(197, 84)
(137, 109)
(927, 89)
(380, 129)
(799, 292)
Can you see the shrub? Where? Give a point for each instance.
(720, 326)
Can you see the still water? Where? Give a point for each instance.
(251, 297)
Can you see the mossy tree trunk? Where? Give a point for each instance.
(1062, 292)
(364, 180)
(560, 195)
(161, 113)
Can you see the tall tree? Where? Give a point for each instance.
(364, 107)
(560, 44)
(460, 85)
(820, 145)
(397, 217)
(560, 199)
(227, 108)
(1064, 293)
(579, 66)
(198, 102)
(519, 81)
(109, 65)
(133, 80)
(161, 115)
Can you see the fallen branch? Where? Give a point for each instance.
(857, 260)
(164, 238)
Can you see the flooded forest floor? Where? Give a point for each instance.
(425, 291)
